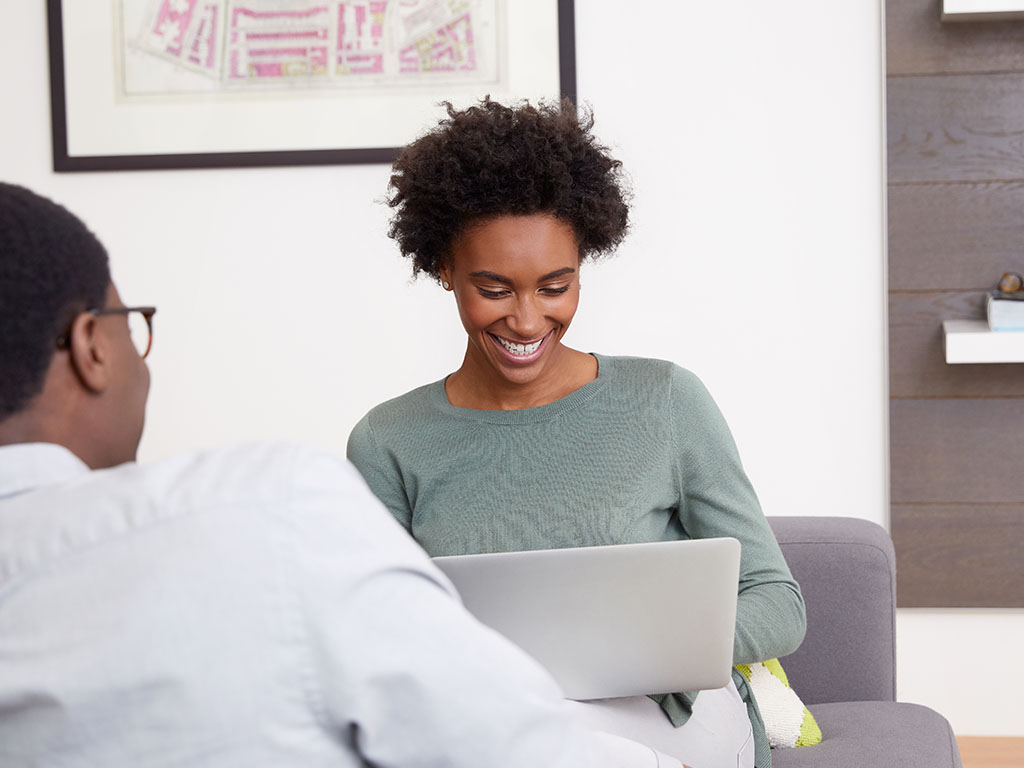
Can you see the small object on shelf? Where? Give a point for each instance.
(1005, 310)
(971, 341)
(1010, 282)
(1004, 306)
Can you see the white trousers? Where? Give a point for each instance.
(717, 735)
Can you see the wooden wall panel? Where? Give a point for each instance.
(955, 555)
(917, 363)
(954, 236)
(957, 451)
(918, 42)
(956, 128)
(955, 116)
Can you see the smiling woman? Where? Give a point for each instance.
(530, 444)
(501, 205)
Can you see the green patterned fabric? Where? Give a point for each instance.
(787, 722)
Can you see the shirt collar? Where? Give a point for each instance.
(26, 466)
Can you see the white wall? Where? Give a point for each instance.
(752, 133)
(965, 663)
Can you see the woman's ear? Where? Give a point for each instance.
(445, 273)
(90, 352)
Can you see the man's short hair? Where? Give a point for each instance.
(51, 268)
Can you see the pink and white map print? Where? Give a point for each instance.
(187, 32)
(361, 37)
(438, 36)
(332, 43)
(277, 43)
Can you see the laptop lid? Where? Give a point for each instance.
(610, 621)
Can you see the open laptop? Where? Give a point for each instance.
(612, 621)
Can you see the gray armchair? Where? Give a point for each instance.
(845, 671)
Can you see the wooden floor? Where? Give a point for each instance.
(991, 752)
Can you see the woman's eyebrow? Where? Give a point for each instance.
(492, 276)
(556, 273)
(508, 280)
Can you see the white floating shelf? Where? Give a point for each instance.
(971, 341)
(982, 10)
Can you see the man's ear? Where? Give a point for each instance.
(89, 352)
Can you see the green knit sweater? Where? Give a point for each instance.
(640, 454)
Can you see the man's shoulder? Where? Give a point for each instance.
(234, 468)
(257, 480)
(264, 473)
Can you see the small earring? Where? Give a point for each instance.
(446, 285)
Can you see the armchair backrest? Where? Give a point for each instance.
(846, 568)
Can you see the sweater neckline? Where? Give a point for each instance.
(605, 371)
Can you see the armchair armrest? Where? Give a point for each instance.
(846, 568)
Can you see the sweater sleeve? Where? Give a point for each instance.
(717, 499)
(379, 471)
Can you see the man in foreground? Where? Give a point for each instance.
(250, 606)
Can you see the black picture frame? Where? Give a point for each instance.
(64, 162)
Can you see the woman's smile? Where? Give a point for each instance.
(521, 353)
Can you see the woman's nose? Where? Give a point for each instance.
(527, 319)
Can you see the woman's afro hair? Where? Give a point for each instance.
(491, 160)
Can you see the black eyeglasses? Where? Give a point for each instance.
(140, 326)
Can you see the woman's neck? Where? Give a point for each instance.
(480, 387)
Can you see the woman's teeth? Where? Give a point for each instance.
(519, 349)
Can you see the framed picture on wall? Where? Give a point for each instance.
(143, 84)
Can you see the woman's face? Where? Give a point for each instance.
(516, 283)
